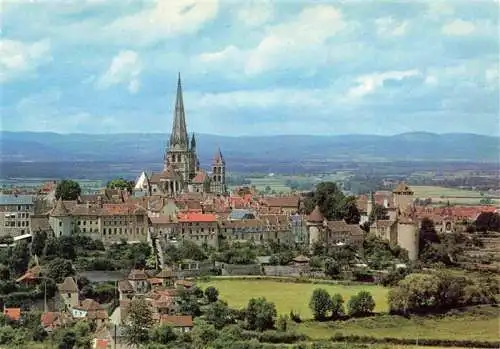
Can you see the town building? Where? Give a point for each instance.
(15, 213)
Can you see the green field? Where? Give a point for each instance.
(467, 326)
(288, 296)
(453, 195)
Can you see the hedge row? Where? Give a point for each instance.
(338, 337)
(285, 279)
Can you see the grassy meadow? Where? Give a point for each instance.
(288, 296)
(481, 326)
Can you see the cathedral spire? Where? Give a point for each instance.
(179, 134)
(193, 142)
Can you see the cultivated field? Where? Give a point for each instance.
(454, 196)
(288, 296)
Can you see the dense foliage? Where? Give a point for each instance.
(68, 189)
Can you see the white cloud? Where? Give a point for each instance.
(258, 99)
(167, 18)
(293, 42)
(439, 8)
(458, 27)
(387, 26)
(125, 68)
(431, 80)
(255, 12)
(18, 58)
(368, 84)
(492, 76)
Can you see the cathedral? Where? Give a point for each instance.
(181, 167)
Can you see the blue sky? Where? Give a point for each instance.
(251, 67)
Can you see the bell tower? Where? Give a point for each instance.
(218, 180)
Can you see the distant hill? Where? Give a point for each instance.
(418, 146)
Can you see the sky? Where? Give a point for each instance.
(250, 67)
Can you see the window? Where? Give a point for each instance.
(60, 224)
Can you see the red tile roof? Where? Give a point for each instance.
(101, 343)
(196, 217)
(12, 313)
(177, 320)
(316, 216)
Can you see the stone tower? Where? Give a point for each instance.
(403, 197)
(179, 156)
(60, 219)
(314, 223)
(218, 180)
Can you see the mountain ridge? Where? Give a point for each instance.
(410, 146)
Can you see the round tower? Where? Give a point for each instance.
(408, 237)
(314, 222)
(60, 219)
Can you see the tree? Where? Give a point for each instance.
(38, 242)
(361, 304)
(212, 294)
(332, 268)
(140, 321)
(488, 221)
(68, 190)
(219, 314)
(189, 304)
(260, 314)
(162, 334)
(428, 234)
(320, 304)
(282, 323)
(121, 183)
(67, 248)
(19, 258)
(337, 306)
(59, 268)
(414, 293)
(333, 204)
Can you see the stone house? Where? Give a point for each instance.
(69, 293)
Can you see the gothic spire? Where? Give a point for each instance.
(179, 134)
(193, 142)
(218, 158)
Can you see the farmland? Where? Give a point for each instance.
(451, 195)
(288, 296)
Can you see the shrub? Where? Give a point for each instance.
(361, 304)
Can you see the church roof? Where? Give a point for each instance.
(316, 216)
(142, 181)
(59, 210)
(200, 177)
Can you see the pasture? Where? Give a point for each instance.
(474, 325)
(453, 195)
(288, 296)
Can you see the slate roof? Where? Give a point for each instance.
(136, 274)
(9, 199)
(59, 210)
(68, 286)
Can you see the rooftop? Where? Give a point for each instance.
(9, 199)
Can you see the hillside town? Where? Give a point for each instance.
(187, 208)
